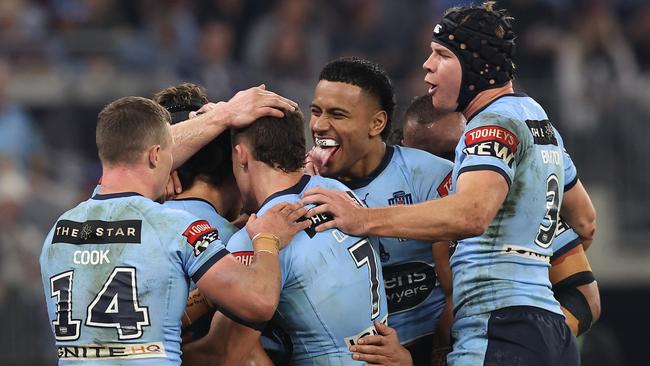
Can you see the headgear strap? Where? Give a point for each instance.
(179, 112)
(483, 41)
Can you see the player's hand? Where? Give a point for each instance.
(383, 349)
(207, 107)
(348, 214)
(250, 104)
(279, 220)
(173, 187)
(310, 166)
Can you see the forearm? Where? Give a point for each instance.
(262, 285)
(447, 218)
(191, 135)
(578, 211)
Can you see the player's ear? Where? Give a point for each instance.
(241, 155)
(378, 123)
(153, 155)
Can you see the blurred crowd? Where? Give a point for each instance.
(586, 61)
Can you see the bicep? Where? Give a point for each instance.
(222, 282)
(484, 190)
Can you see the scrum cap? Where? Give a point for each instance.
(483, 41)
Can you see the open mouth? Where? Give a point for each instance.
(432, 88)
(324, 149)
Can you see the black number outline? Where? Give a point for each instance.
(136, 306)
(546, 233)
(375, 295)
(57, 293)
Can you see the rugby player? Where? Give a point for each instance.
(116, 268)
(210, 191)
(351, 114)
(332, 286)
(574, 285)
(509, 183)
(573, 282)
(426, 128)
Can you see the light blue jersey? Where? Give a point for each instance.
(407, 176)
(204, 209)
(116, 270)
(508, 265)
(332, 288)
(565, 238)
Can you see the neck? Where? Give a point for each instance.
(268, 181)
(367, 164)
(222, 198)
(128, 178)
(485, 97)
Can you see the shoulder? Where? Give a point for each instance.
(328, 183)
(167, 219)
(409, 157)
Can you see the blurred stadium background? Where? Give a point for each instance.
(587, 62)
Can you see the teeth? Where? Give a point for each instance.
(326, 143)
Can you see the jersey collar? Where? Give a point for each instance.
(296, 189)
(364, 181)
(109, 196)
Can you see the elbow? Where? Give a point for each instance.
(261, 308)
(474, 225)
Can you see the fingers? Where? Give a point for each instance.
(176, 181)
(370, 358)
(268, 111)
(279, 207)
(370, 350)
(298, 212)
(383, 329)
(320, 209)
(372, 340)
(326, 226)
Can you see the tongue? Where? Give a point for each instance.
(320, 155)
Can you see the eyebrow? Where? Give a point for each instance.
(331, 110)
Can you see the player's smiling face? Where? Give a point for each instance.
(341, 119)
(444, 75)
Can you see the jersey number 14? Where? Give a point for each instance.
(115, 306)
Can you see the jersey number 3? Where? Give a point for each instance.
(546, 231)
(115, 306)
(363, 254)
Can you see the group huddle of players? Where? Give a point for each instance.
(447, 246)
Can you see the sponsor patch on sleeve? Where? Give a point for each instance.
(492, 141)
(199, 235)
(245, 258)
(445, 186)
(542, 131)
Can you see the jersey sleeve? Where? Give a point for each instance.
(434, 178)
(570, 171)
(493, 142)
(203, 248)
(565, 240)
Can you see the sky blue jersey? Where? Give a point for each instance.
(508, 264)
(116, 271)
(407, 176)
(204, 209)
(332, 285)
